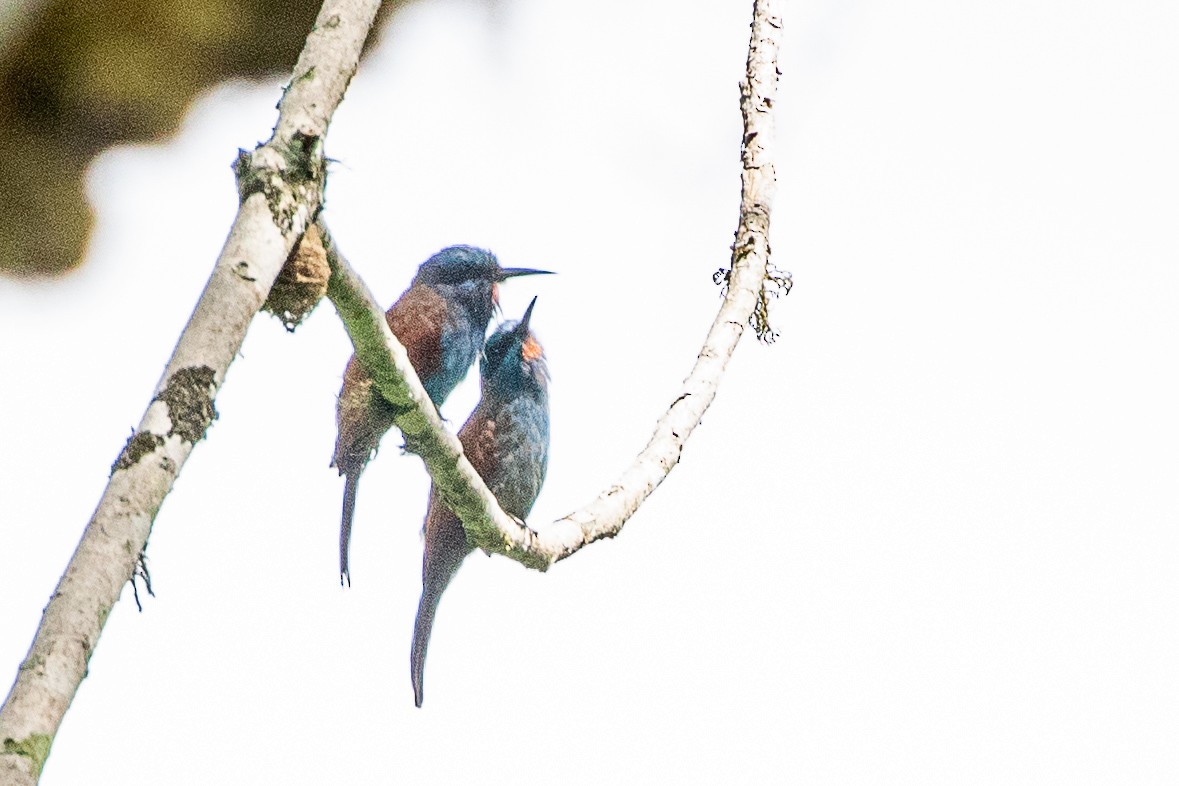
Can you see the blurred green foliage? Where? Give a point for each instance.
(81, 75)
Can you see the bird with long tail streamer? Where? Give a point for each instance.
(441, 320)
(506, 440)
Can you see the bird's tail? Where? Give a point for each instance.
(351, 479)
(439, 570)
(421, 640)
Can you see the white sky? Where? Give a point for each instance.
(929, 537)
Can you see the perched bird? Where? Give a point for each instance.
(441, 320)
(506, 440)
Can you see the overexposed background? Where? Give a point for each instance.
(928, 537)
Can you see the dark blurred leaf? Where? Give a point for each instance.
(86, 74)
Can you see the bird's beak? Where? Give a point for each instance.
(523, 326)
(530, 349)
(512, 272)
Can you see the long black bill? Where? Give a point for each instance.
(512, 272)
(523, 326)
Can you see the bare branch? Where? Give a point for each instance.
(280, 184)
(748, 286)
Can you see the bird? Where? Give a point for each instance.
(506, 439)
(442, 321)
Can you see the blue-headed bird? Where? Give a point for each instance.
(506, 440)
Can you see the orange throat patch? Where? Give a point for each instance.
(531, 349)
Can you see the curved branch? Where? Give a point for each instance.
(486, 525)
(747, 282)
(281, 186)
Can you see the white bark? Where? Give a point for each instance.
(748, 285)
(281, 186)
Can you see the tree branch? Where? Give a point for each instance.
(280, 184)
(749, 279)
(749, 282)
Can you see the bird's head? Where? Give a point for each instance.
(513, 361)
(470, 274)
